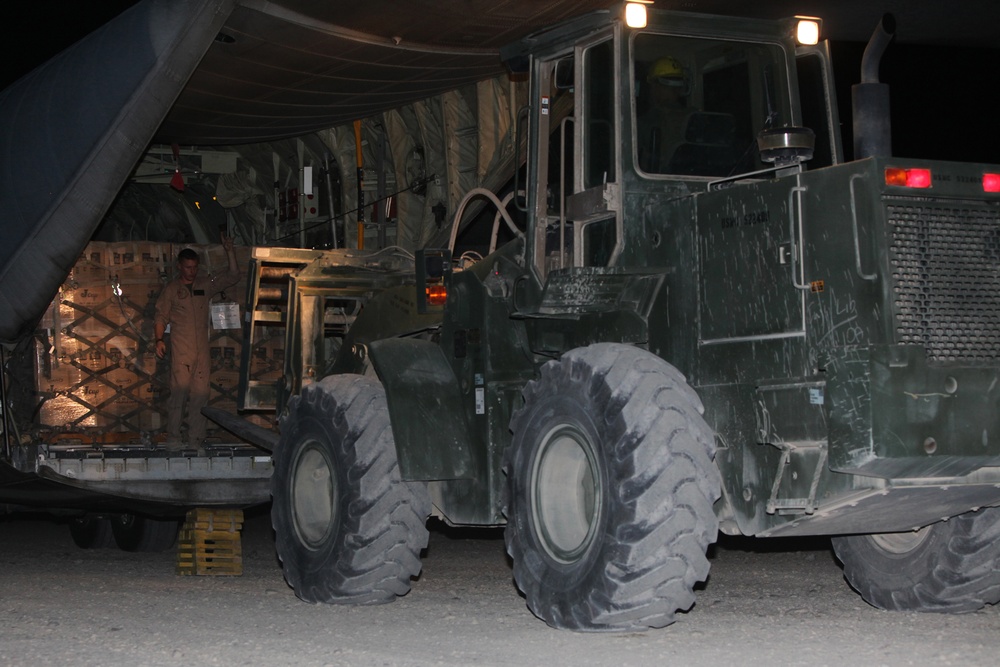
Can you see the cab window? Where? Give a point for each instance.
(699, 103)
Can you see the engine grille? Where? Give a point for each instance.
(945, 260)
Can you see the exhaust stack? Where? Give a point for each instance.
(872, 125)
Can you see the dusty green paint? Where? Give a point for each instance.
(426, 400)
(846, 394)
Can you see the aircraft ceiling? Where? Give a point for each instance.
(227, 72)
(290, 67)
(287, 67)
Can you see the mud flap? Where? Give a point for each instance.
(425, 408)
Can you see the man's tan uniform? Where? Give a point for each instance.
(185, 308)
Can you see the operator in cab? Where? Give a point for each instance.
(663, 122)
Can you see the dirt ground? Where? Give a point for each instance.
(766, 603)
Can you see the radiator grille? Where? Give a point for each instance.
(945, 261)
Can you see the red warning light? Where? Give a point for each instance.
(908, 178)
(894, 176)
(991, 182)
(437, 295)
(918, 178)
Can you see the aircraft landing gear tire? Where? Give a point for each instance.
(347, 529)
(91, 532)
(143, 534)
(610, 491)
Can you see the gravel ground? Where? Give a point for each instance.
(766, 603)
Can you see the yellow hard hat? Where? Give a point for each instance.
(668, 71)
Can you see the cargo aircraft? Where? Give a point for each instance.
(229, 72)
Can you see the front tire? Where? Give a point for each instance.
(951, 566)
(347, 529)
(610, 491)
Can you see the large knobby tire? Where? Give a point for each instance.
(951, 566)
(610, 491)
(347, 529)
(144, 534)
(91, 532)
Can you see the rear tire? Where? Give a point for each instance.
(347, 529)
(143, 534)
(610, 491)
(91, 532)
(951, 566)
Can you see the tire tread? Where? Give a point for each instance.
(383, 527)
(958, 572)
(662, 456)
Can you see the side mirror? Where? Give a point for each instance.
(564, 74)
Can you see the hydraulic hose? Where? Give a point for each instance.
(472, 194)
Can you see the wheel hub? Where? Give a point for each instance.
(900, 543)
(566, 493)
(314, 496)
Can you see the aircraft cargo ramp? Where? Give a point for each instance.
(139, 474)
(97, 392)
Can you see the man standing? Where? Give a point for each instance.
(184, 305)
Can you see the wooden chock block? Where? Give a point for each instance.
(209, 543)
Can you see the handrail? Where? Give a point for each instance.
(857, 239)
(523, 111)
(798, 249)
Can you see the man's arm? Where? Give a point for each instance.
(160, 323)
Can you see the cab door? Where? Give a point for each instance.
(574, 201)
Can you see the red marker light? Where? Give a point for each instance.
(908, 178)
(991, 182)
(437, 295)
(918, 178)
(894, 176)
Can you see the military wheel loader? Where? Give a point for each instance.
(712, 322)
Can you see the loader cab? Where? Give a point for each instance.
(618, 115)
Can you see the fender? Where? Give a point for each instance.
(425, 409)
(586, 305)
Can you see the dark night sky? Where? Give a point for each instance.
(941, 97)
(36, 30)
